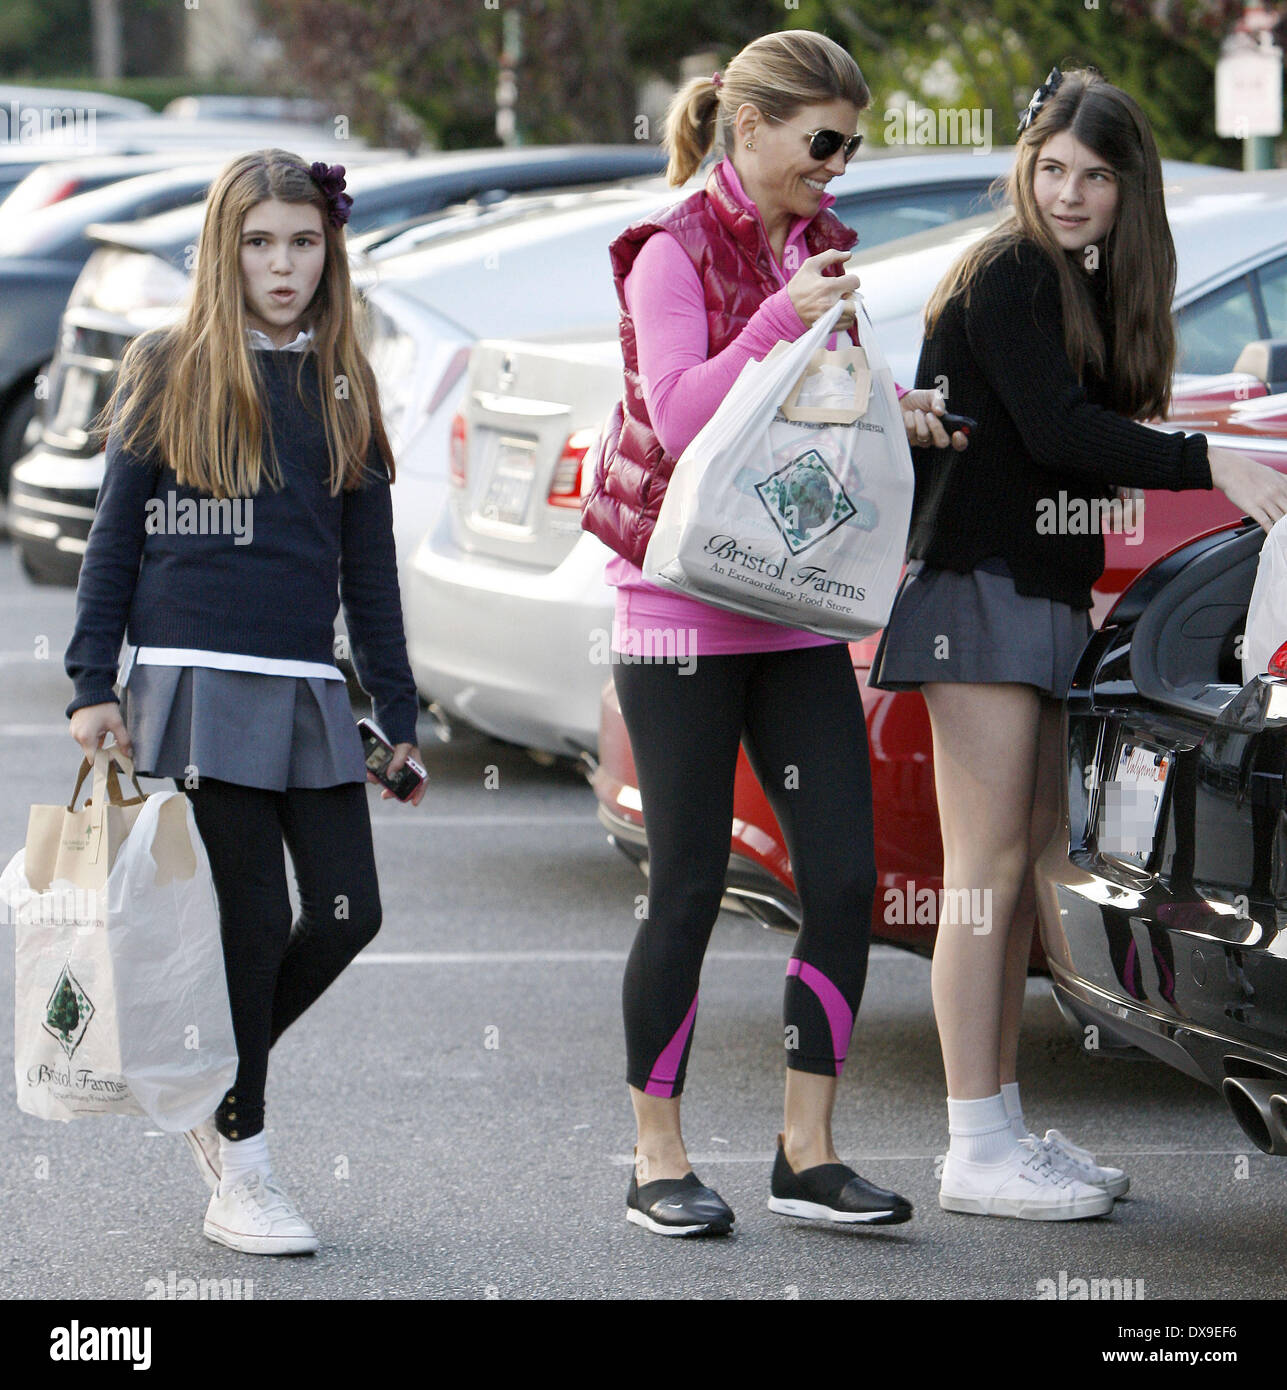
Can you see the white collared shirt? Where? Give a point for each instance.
(263, 343)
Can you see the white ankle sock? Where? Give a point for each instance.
(1014, 1109)
(980, 1130)
(238, 1157)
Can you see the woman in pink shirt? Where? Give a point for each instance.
(750, 260)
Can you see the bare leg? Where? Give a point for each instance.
(660, 1151)
(1045, 817)
(806, 1130)
(985, 753)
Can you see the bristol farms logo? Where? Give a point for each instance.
(806, 502)
(68, 1012)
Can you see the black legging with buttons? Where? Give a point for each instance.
(276, 969)
(799, 715)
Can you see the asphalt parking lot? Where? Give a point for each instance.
(453, 1119)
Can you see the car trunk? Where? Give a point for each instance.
(530, 420)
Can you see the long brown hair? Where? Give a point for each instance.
(777, 73)
(189, 393)
(1138, 256)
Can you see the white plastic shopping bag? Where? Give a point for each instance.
(121, 998)
(1266, 628)
(799, 520)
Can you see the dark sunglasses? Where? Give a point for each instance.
(824, 143)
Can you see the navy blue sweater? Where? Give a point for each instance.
(273, 595)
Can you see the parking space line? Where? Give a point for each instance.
(879, 954)
(408, 822)
(528, 957)
(719, 1156)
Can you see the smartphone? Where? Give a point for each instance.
(951, 423)
(378, 752)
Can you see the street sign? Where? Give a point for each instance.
(1249, 89)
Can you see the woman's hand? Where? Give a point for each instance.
(921, 410)
(401, 752)
(813, 293)
(1257, 490)
(91, 722)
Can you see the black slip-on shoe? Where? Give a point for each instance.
(833, 1192)
(678, 1207)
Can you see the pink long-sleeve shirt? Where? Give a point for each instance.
(682, 390)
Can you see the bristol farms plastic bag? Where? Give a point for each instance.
(800, 520)
(121, 998)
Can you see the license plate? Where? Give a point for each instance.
(1131, 805)
(76, 400)
(509, 491)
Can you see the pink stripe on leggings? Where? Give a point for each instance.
(665, 1069)
(839, 1014)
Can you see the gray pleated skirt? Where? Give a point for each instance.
(975, 628)
(256, 730)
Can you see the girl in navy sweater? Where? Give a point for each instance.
(246, 495)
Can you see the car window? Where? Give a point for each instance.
(882, 218)
(1273, 294)
(1215, 328)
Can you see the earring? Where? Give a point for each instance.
(750, 145)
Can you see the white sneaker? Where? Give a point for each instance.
(1081, 1163)
(1027, 1184)
(258, 1218)
(203, 1141)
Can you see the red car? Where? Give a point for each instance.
(1236, 410)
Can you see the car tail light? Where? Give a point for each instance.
(1278, 662)
(459, 450)
(565, 486)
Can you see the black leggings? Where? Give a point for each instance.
(800, 716)
(276, 970)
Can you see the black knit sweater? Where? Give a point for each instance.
(1040, 433)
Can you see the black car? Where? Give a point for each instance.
(1163, 911)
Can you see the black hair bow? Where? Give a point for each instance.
(1047, 89)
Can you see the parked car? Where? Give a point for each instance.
(1161, 897)
(138, 275)
(507, 612)
(1231, 240)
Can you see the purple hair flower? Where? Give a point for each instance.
(330, 179)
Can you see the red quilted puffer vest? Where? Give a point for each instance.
(726, 242)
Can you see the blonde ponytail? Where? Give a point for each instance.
(692, 120)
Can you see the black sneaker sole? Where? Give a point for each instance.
(814, 1211)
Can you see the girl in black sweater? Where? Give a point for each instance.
(1055, 333)
(261, 398)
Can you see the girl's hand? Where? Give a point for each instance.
(1255, 489)
(921, 410)
(401, 752)
(813, 293)
(91, 722)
